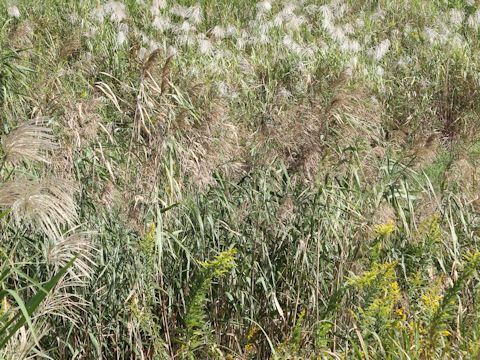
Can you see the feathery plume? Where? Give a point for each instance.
(63, 249)
(142, 53)
(264, 7)
(295, 22)
(291, 44)
(162, 23)
(157, 5)
(381, 50)
(195, 14)
(327, 14)
(218, 32)
(121, 38)
(430, 34)
(186, 40)
(63, 301)
(192, 13)
(172, 51)
(122, 34)
(22, 344)
(115, 9)
(351, 45)
(30, 141)
(278, 20)
(473, 20)
(47, 203)
(311, 9)
(337, 34)
(205, 46)
(456, 17)
(185, 27)
(263, 39)
(98, 14)
(288, 10)
(231, 31)
(13, 11)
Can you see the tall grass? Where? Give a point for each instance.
(240, 180)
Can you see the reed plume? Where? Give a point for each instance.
(30, 141)
(48, 203)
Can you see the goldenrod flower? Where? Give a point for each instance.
(383, 230)
(400, 312)
(432, 297)
(445, 333)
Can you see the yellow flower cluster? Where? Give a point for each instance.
(250, 346)
(222, 263)
(384, 230)
(401, 314)
(432, 297)
(252, 332)
(383, 305)
(378, 272)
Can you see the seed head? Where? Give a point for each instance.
(381, 50)
(162, 23)
(30, 141)
(13, 11)
(47, 203)
(63, 249)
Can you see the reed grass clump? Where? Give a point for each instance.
(239, 179)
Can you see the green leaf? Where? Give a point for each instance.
(28, 309)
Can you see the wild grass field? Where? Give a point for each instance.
(232, 179)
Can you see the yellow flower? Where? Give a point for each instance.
(400, 312)
(251, 333)
(249, 348)
(394, 289)
(383, 230)
(431, 298)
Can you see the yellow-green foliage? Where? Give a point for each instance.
(141, 304)
(429, 230)
(149, 324)
(291, 346)
(384, 230)
(147, 243)
(382, 295)
(425, 320)
(432, 297)
(220, 265)
(197, 329)
(378, 275)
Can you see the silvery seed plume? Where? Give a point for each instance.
(30, 141)
(22, 344)
(13, 11)
(63, 249)
(64, 301)
(46, 203)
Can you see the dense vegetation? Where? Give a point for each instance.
(239, 180)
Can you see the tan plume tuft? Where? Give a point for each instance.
(46, 203)
(63, 249)
(30, 141)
